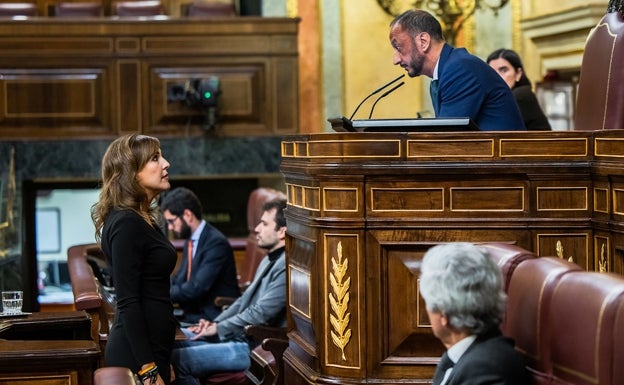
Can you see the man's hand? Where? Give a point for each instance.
(203, 329)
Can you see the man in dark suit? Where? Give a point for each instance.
(462, 85)
(463, 291)
(207, 269)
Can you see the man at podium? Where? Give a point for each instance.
(462, 85)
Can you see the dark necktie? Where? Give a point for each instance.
(444, 364)
(433, 90)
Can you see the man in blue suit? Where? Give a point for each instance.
(207, 269)
(462, 84)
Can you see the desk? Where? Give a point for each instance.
(363, 208)
(71, 325)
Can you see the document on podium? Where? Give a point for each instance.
(343, 124)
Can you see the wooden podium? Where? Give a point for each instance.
(364, 207)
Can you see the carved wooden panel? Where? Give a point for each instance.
(104, 77)
(401, 193)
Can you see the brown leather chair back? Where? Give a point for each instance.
(507, 257)
(78, 9)
(530, 290)
(580, 321)
(138, 8)
(618, 351)
(253, 253)
(600, 100)
(113, 375)
(205, 9)
(18, 9)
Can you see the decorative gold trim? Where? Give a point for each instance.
(374, 189)
(304, 312)
(446, 154)
(559, 235)
(367, 150)
(606, 193)
(357, 203)
(616, 202)
(538, 189)
(560, 252)
(597, 147)
(452, 189)
(293, 201)
(603, 259)
(339, 301)
(502, 142)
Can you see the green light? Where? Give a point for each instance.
(207, 95)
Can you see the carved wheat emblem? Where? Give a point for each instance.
(603, 264)
(339, 301)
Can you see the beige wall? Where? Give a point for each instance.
(355, 56)
(367, 63)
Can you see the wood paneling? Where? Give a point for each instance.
(92, 78)
(365, 207)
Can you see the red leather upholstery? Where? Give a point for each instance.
(508, 257)
(18, 9)
(618, 347)
(600, 100)
(113, 375)
(210, 9)
(78, 9)
(138, 8)
(581, 320)
(530, 290)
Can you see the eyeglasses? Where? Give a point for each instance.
(171, 220)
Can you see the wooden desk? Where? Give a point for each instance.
(68, 362)
(363, 208)
(72, 325)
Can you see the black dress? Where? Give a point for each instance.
(532, 114)
(142, 259)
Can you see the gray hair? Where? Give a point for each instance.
(460, 281)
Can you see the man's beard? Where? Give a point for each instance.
(185, 231)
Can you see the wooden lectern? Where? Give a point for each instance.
(364, 207)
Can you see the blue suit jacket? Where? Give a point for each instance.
(213, 274)
(469, 87)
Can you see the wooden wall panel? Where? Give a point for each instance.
(93, 78)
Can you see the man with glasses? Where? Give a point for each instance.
(207, 269)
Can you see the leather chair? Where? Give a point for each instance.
(77, 9)
(138, 8)
(18, 9)
(600, 99)
(580, 323)
(507, 256)
(618, 352)
(113, 375)
(207, 9)
(529, 295)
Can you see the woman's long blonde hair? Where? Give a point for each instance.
(121, 163)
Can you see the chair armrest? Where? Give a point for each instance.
(224, 301)
(261, 332)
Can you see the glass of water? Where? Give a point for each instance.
(12, 302)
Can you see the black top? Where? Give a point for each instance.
(532, 114)
(142, 259)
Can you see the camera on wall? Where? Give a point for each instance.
(200, 94)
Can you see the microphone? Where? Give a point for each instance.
(374, 93)
(383, 96)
